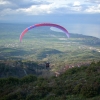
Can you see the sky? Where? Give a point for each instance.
(64, 12)
(49, 10)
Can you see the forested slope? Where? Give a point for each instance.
(78, 83)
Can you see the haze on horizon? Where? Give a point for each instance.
(75, 13)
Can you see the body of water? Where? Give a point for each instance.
(85, 29)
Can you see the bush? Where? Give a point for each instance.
(10, 80)
(77, 89)
(29, 78)
(89, 91)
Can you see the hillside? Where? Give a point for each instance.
(18, 68)
(19, 62)
(78, 83)
(43, 45)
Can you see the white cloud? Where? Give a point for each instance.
(33, 10)
(34, 7)
(76, 6)
(93, 1)
(93, 9)
(76, 3)
(2, 2)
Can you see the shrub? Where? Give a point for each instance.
(29, 78)
(89, 91)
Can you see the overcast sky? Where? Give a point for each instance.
(49, 10)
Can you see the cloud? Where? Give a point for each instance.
(32, 10)
(75, 7)
(5, 4)
(93, 1)
(93, 9)
(32, 7)
(76, 3)
(35, 9)
(16, 4)
(2, 2)
(40, 7)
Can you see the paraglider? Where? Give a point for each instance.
(44, 24)
(47, 64)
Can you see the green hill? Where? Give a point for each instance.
(78, 83)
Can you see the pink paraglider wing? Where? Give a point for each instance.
(22, 34)
(43, 24)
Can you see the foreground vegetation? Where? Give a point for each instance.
(78, 83)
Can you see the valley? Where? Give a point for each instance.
(44, 45)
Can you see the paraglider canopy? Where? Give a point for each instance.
(44, 24)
